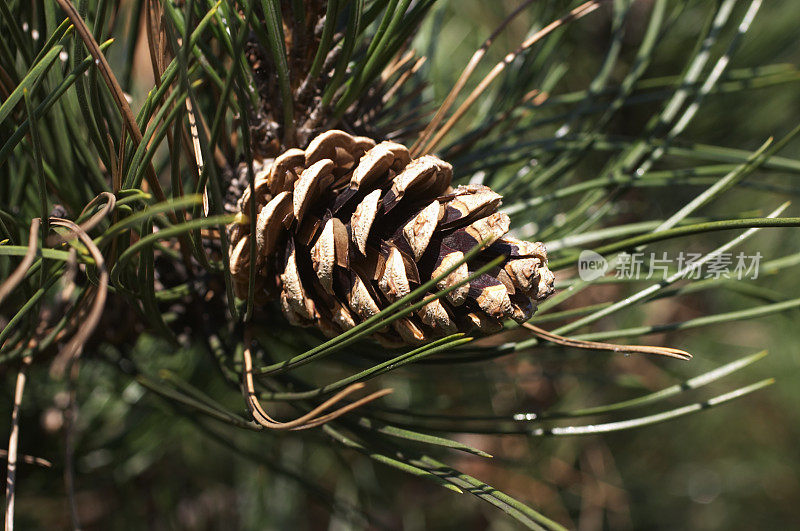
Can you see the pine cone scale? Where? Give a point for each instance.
(362, 219)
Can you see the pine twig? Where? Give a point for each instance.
(13, 441)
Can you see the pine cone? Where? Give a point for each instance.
(347, 227)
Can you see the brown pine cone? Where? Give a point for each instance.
(346, 227)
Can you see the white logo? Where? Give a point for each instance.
(591, 265)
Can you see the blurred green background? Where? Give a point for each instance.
(142, 463)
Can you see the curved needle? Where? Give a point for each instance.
(633, 349)
(19, 273)
(73, 349)
(90, 223)
(311, 419)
